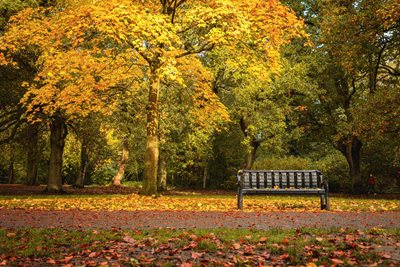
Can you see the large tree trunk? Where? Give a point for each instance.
(33, 154)
(162, 180)
(10, 174)
(58, 133)
(80, 181)
(122, 163)
(152, 149)
(351, 149)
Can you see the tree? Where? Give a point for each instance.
(355, 41)
(152, 37)
(69, 81)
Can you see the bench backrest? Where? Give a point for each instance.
(259, 179)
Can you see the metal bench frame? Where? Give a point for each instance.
(282, 182)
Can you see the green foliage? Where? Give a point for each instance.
(104, 174)
(282, 163)
(334, 167)
(11, 7)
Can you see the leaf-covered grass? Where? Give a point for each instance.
(172, 247)
(194, 203)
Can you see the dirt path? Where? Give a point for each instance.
(76, 219)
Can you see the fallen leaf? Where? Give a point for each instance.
(93, 254)
(336, 261)
(285, 241)
(196, 255)
(248, 250)
(11, 235)
(192, 245)
(129, 239)
(68, 259)
(236, 245)
(51, 261)
(284, 256)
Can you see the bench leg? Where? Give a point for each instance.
(327, 204)
(323, 204)
(239, 199)
(324, 201)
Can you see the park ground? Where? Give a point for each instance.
(113, 226)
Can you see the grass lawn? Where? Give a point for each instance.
(171, 247)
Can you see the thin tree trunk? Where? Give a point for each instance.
(205, 176)
(251, 156)
(152, 149)
(80, 181)
(10, 175)
(162, 181)
(122, 163)
(58, 133)
(351, 149)
(33, 154)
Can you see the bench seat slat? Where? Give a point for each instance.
(261, 180)
(254, 180)
(284, 191)
(269, 180)
(284, 179)
(276, 179)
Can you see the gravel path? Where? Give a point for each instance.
(76, 219)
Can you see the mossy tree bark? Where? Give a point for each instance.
(122, 163)
(152, 145)
(10, 174)
(58, 133)
(80, 181)
(351, 149)
(162, 178)
(32, 154)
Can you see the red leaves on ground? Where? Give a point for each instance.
(129, 239)
(236, 245)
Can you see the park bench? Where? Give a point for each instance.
(282, 182)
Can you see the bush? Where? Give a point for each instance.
(333, 166)
(104, 175)
(336, 171)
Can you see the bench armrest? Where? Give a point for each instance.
(239, 177)
(325, 185)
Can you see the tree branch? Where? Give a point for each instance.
(204, 47)
(392, 71)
